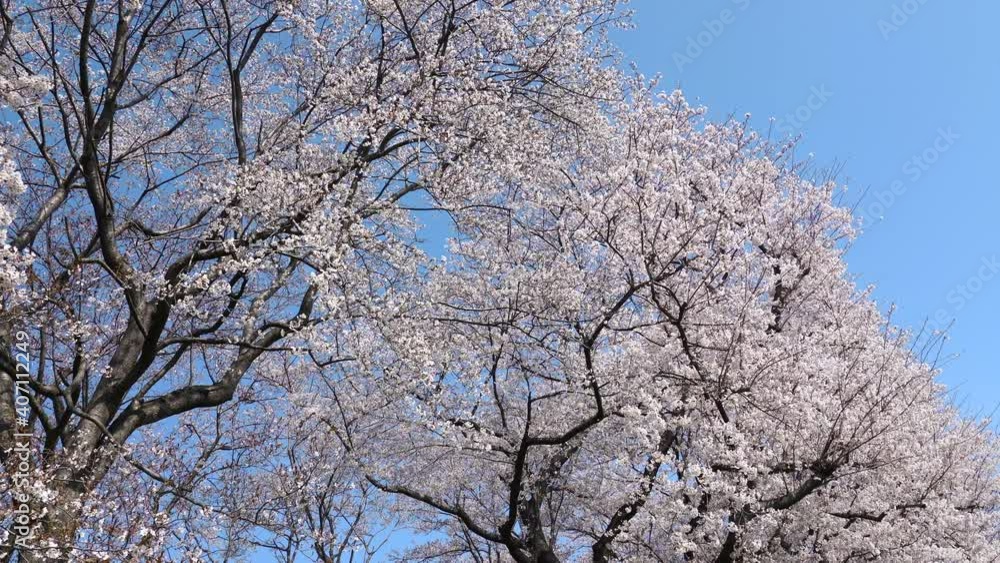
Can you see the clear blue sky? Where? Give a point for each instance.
(903, 94)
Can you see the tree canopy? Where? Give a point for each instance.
(642, 343)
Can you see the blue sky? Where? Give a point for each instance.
(902, 95)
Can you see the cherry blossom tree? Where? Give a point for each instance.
(650, 351)
(209, 183)
(641, 345)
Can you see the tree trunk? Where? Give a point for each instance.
(55, 523)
